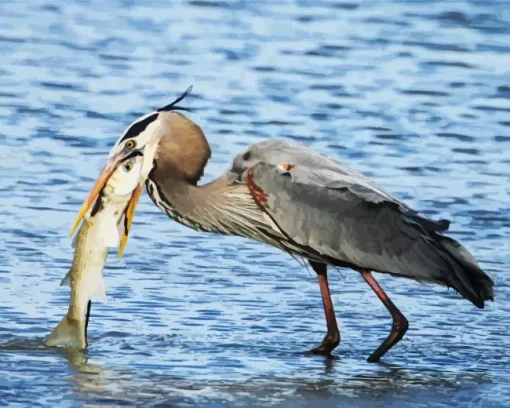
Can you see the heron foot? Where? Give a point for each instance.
(398, 329)
(330, 342)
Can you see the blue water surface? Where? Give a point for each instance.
(415, 94)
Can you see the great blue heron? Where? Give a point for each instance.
(309, 205)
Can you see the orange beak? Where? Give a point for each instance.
(128, 217)
(96, 190)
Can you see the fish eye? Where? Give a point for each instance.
(128, 166)
(131, 144)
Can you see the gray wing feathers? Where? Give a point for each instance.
(320, 169)
(344, 225)
(337, 212)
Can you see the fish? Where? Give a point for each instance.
(100, 230)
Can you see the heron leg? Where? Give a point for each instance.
(332, 338)
(400, 323)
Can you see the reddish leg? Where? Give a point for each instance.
(332, 338)
(400, 324)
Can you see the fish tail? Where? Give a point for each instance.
(69, 333)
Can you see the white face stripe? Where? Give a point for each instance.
(141, 118)
(147, 136)
(119, 145)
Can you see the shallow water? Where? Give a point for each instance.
(415, 94)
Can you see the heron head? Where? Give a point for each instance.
(142, 136)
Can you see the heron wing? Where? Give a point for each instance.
(320, 169)
(313, 169)
(347, 223)
(336, 212)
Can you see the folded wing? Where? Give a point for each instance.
(337, 212)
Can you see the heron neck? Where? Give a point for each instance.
(198, 207)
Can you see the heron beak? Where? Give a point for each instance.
(129, 213)
(103, 178)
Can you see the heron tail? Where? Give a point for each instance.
(467, 277)
(68, 333)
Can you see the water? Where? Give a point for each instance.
(416, 94)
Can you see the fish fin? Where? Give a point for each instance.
(68, 333)
(74, 242)
(100, 291)
(67, 279)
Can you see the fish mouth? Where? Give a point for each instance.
(111, 166)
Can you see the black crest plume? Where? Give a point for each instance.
(172, 107)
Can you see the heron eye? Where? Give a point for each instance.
(131, 144)
(128, 166)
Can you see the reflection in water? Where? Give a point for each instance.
(387, 384)
(100, 383)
